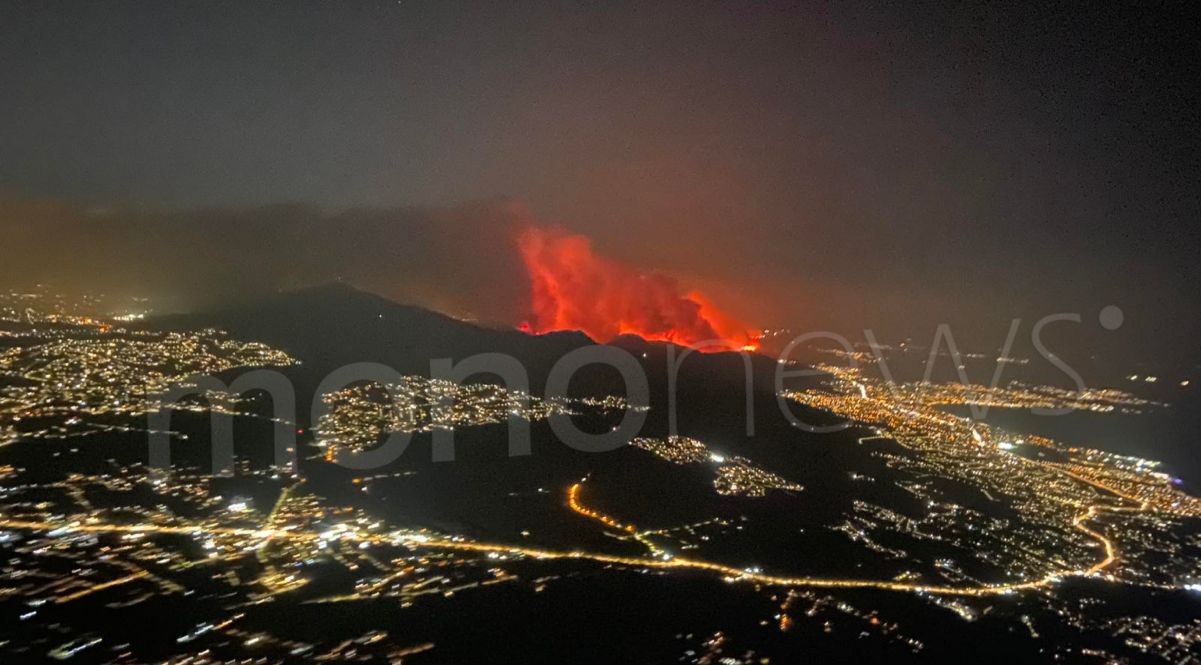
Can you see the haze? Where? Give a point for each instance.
(803, 165)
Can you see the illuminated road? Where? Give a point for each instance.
(573, 501)
(101, 587)
(730, 573)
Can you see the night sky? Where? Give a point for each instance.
(891, 166)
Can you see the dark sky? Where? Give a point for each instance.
(893, 165)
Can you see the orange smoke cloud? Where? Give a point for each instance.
(573, 289)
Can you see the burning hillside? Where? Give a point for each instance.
(574, 289)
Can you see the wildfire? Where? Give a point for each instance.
(573, 289)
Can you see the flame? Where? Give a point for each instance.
(574, 289)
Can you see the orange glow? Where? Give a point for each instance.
(573, 289)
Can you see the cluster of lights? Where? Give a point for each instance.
(735, 476)
(58, 385)
(1045, 483)
(359, 416)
